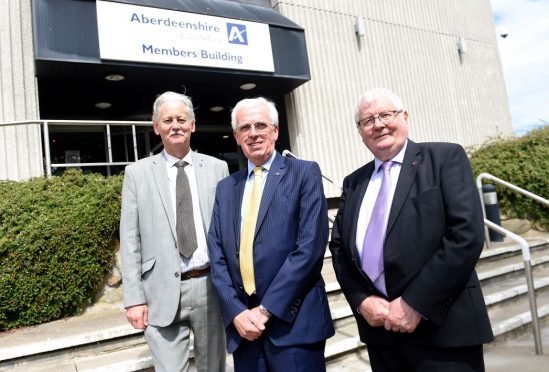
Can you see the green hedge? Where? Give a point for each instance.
(55, 245)
(524, 162)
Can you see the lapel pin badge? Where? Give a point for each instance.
(414, 163)
(277, 174)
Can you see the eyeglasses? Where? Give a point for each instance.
(386, 117)
(260, 127)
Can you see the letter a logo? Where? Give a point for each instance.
(237, 34)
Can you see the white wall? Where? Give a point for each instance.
(410, 47)
(20, 146)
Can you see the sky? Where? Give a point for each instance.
(525, 59)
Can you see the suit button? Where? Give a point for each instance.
(176, 275)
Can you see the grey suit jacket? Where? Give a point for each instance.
(149, 252)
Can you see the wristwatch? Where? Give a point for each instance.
(264, 311)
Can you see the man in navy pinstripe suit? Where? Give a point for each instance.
(282, 323)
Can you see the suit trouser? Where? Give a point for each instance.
(262, 355)
(198, 312)
(402, 357)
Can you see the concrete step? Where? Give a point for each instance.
(512, 267)
(509, 248)
(103, 341)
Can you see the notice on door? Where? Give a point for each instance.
(143, 34)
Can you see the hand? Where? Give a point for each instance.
(260, 315)
(248, 325)
(138, 316)
(374, 309)
(402, 318)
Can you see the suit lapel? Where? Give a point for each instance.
(408, 171)
(356, 201)
(275, 175)
(202, 180)
(160, 177)
(238, 189)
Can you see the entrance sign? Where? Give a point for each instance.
(144, 34)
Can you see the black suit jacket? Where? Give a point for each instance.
(434, 239)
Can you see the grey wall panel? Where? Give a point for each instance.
(410, 46)
(20, 146)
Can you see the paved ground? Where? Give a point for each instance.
(518, 353)
(514, 355)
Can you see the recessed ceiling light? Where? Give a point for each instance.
(248, 86)
(103, 105)
(216, 108)
(115, 77)
(225, 136)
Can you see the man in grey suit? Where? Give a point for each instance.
(165, 263)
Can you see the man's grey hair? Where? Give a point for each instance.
(248, 103)
(173, 97)
(375, 94)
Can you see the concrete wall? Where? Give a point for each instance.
(20, 146)
(410, 46)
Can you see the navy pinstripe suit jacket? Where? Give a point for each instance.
(289, 245)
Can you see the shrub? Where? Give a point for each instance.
(55, 236)
(524, 162)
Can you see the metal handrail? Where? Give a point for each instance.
(287, 153)
(524, 247)
(529, 280)
(290, 155)
(520, 190)
(107, 123)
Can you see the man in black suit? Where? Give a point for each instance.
(417, 302)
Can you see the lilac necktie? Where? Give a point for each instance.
(372, 248)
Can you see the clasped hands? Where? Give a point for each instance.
(250, 324)
(396, 316)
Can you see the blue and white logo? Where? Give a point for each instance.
(236, 34)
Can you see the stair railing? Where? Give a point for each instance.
(288, 154)
(525, 248)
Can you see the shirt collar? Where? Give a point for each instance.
(171, 160)
(398, 158)
(266, 165)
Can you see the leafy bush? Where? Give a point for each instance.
(524, 162)
(55, 250)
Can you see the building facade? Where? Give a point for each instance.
(441, 57)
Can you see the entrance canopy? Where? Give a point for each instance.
(86, 69)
